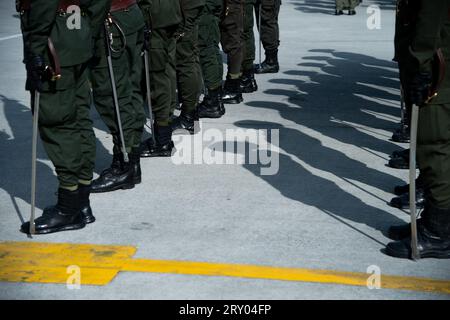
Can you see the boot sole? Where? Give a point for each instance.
(429, 254)
(122, 187)
(211, 115)
(265, 72)
(233, 101)
(89, 220)
(404, 207)
(68, 227)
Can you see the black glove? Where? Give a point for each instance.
(419, 88)
(36, 70)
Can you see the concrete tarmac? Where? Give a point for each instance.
(323, 205)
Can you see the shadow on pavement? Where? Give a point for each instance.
(360, 92)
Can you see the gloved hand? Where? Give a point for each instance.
(419, 88)
(36, 70)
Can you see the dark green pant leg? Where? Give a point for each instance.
(208, 41)
(59, 129)
(346, 4)
(137, 99)
(103, 97)
(85, 124)
(188, 77)
(341, 4)
(433, 152)
(270, 32)
(249, 36)
(232, 34)
(162, 73)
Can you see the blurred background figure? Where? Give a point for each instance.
(349, 5)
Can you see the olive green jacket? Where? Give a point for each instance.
(74, 44)
(161, 13)
(191, 10)
(432, 32)
(130, 20)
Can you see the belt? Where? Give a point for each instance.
(118, 5)
(25, 5)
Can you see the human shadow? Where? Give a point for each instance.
(355, 92)
(296, 182)
(347, 97)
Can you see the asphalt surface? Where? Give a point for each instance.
(334, 103)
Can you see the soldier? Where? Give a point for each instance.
(64, 124)
(405, 23)
(248, 82)
(433, 142)
(232, 35)
(188, 65)
(128, 37)
(269, 34)
(211, 60)
(162, 18)
(349, 5)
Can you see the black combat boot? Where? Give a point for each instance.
(401, 135)
(351, 12)
(232, 93)
(135, 158)
(433, 236)
(63, 216)
(119, 176)
(402, 201)
(164, 144)
(400, 153)
(186, 121)
(399, 190)
(212, 105)
(401, 232)
(85, 205)
(270, 65)
(401, 162)
(248, 82)
(338, 12)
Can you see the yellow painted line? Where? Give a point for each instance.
(48, 262)
(99, 264)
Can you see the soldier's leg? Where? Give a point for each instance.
(211, 60)
(340, 6)
(87, 142)
(162, 74)
(137, 100)
(188, 79)
(433, 153)
(62, 139)
(232, 29)
(352, 4)
(270, 35)
(433, 156)
(120, 175)
(248, 82)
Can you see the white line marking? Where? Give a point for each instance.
(11, 37)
